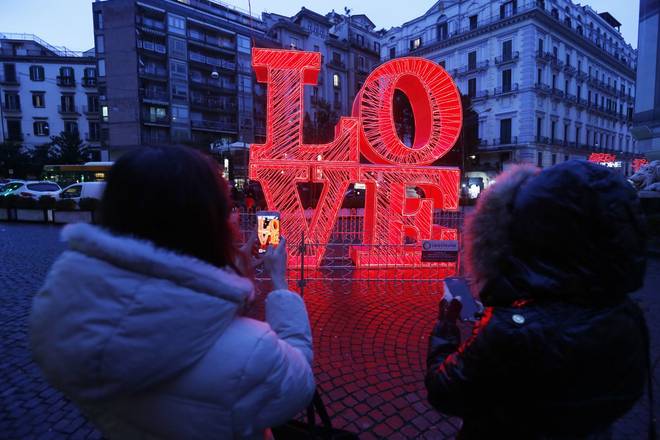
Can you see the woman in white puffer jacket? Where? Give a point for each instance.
(140, 321)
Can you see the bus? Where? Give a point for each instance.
(65, 175)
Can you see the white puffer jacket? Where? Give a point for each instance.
(150, 343)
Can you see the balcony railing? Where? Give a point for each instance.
(481, 95)
(466, 70)
(9, 81)
(154, 72)
(67, 109)
(152, 46)
(512, 140)
(210, 40)
(156, 95)
(542, 88)
(582, 76)
(212, 61)
(337, 63)
(557, 93)
(569, 70)
(11, 108)
(66, 81)
(203, 124)
(151, 23)
(223, 85)
(89, 81)
(91, 110)
(214, 103)
(155, 119)
(505, 90)
(507, 58)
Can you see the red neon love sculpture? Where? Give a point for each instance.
(284, 161)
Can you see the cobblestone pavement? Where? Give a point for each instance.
(370, 341)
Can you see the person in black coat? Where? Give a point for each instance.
(561, 351)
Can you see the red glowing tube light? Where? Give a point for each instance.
(638, 163)
(284, 161)
(602, 157)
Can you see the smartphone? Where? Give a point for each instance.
(268, 229)
(457, 286)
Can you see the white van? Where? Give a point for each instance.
(83, 190)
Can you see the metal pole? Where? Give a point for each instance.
(301, 250)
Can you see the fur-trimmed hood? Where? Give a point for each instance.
(117, 314)
(573, 232)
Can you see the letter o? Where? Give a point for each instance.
(436, 105)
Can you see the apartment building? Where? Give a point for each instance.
(177, 72)
(550, 79)
(46, 90)
(349, 47)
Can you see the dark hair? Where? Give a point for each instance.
(174, 197)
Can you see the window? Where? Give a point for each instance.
(443, 31)
(392, 52)
(335, 80)
(472, 60)
(539, 159)
(568, 59)
(14, 132)
(71, 192)
(579, 66)
(98, 20)
(179, 90)
(104, 113)
(554, 82)
(71, 127)
(416, 43)
(40, 128)
(554, 158)
(539, 125)
(566, 87)
(442, 63)
(473, 22)
(92, 103)
(90, 72)
(38, 100)
(506, 80)
(100, 44)
(507, 50)
(101, 67)
(508, 9)
(244, 44)
(376, 46)
(566, 157)
(37, 73)
(178, 48)
(565, 134)
(67, 103)
(361, 63)
(472, 87)
(553, 129)
(539, 76)
(12, 101)
(505, 131)
(579, 92)
(360, 39)
(94, 133)
(179, 69)
(10, 73)
(67, 72)
(43, 187)
(176, 24)
(555, 52)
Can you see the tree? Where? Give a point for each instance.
(69, 148)
(323, 130)
(13, 157)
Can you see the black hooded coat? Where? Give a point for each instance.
(561, 351)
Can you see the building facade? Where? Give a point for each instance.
(350, 50)
(550, 80)
(46, 90)
(175, 72)
(647, 104)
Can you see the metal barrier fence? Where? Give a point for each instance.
(346, 244)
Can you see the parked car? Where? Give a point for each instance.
(8, 187)
(32, 188)
(83, 190)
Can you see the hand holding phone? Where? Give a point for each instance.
(268, 229)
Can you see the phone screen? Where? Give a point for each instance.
(458, 287)
(268, 229)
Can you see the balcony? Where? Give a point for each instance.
(557, 93)
(66, 81)
(212, 103)
(158, 73)
(212, 61)
(206, 125)
(582, 76)
(214, 84)
(507, 58)
(152, 46)
(581, 102)
(481, 96)
(11, 108)
(155, 119)
(337, 64)
(572, 99)
(542, 88)
(91, 110)
(211, 41)
(67, 109)
(542, 140)
(155, 95)
(9, 80)
(512, 140)
(543, 57)
(89, 81)
(569, 70)
(151, 25)
(466, 70)
(501, 91)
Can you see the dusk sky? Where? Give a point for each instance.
(70, 22)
